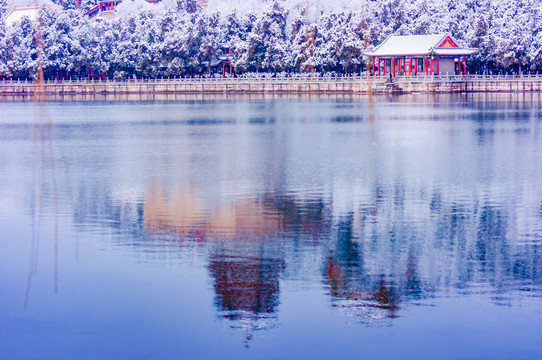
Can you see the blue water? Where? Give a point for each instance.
(310, 228)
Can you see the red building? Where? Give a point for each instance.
(105, 9)
(437, 54)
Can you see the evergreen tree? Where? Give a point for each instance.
(22, 53)
(3, 48)
(176, 37)
(268, 48)
(173, 44)
(61, 46)
(3, 9)
(207, 35)
(305, 38)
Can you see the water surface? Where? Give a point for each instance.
(271, 227)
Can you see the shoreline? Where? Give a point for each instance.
(494, 97)
(355, 85)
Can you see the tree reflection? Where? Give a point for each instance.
(377, 260)
(352, 287)
(428, 211)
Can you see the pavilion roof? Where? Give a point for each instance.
(420, 45)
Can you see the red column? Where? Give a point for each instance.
(426, 67)
(438, 69)
(373, 67)
(459, 66)
(379, 66)
(393, 66)
(432, 67)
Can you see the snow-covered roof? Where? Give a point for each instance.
(419, 45)
(18, 13)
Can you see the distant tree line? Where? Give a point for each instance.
(182, 39)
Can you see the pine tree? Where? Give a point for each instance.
(3, 9)
(3, 48)
(268, 48)
(304, 40)
(61, 45)
(22, 53)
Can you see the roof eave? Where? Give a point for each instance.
(372, 54)
(465, 52)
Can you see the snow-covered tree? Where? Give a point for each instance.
(207, 26)
(236, 34)
(61, 45)
(3, 48)
(342, 44)
(96, 45)
(3, 9)
(267, 43)
(21, 46)
(174, 43)
(304, 40)
(176, 37)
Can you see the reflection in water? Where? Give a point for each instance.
(246, 238)
(44, 187)
(366, 296)
(247, 290)
(377, 258)
(386, 205)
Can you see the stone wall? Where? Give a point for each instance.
(359, 85)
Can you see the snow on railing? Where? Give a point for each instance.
(302, 78)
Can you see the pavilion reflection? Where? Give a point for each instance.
(246, 240)
(246, 290)
(245, 285)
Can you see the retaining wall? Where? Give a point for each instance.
(347, 85)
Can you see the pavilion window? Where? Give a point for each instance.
(420, 65)
(388, 66)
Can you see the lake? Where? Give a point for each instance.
(205, 227)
